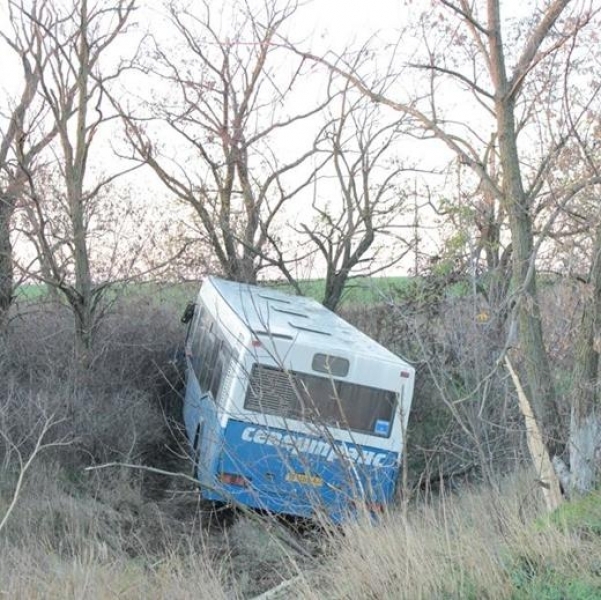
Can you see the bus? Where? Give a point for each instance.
(289, 408)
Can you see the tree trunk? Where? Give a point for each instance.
(6, 258)
(335, 283)
(540, 387)
(241, 269)
(585, 423)
(84, 316)
(83, 332)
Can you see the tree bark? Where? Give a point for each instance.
(6, 257)
(585, 418)
(540, 387)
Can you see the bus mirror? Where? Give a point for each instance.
(188, 313)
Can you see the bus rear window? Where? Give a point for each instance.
(317, 399)
(332, 365)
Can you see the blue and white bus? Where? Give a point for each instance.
(289, 408)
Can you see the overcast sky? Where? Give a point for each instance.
(319, 25)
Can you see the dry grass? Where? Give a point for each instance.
(103, 534)
(103, 539)
(482, 543)
(91, 575)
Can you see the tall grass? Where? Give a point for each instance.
(482, 543)
(120, 533)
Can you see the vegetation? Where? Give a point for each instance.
(459, 145)
(461, 532)
(359, 291)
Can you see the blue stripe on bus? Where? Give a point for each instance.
(294, 473)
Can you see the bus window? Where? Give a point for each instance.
(216, 368)
(200, 315)
(195, 347)
(197, 344)
(332, 365)
(204, 355)
(365, 407)
(194, 326)
(210, 355)
(230, 359)
(320, 399)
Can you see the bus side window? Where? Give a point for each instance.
(212, 358)
(217, 374)
(206, 352)
(197, 344)
(196, 322)
(229, 359)
(211, 355)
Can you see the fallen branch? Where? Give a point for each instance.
(245, 509)
(144, 468)
(540, 457)
(274, 593)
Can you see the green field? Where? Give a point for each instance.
(30, 291)
(358, 291)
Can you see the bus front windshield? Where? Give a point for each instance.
(323, 400)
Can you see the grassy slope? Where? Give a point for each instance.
(99, 535)
(479, 544)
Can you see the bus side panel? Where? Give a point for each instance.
(302, 475)
(203, 430)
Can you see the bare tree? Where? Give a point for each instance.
(19, 145)
(229, 114)
(74, 41)
(472, 60)
(357, 233)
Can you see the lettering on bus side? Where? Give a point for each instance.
(305, 445)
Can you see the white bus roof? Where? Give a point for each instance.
(266, 311)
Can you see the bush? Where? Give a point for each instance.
(113, 411)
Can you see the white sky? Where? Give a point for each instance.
(319, 25)
(337, 23)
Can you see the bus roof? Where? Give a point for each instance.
(270, 312)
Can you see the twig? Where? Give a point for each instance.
(39, 446)
(247, 511)
(144, 468)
